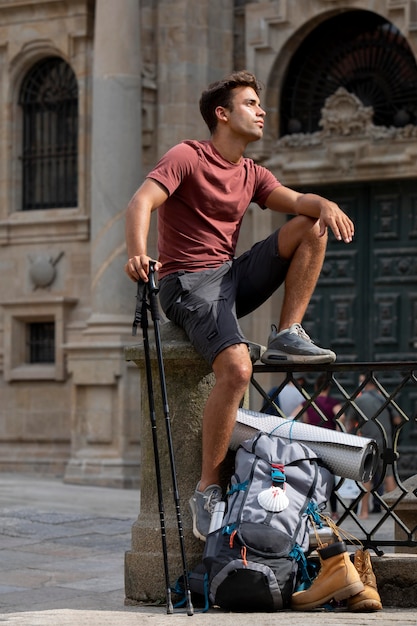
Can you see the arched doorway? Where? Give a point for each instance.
(360, 51)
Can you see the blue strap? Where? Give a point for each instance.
(227, 530)
(206, 594)
(299, 556)
(278, 477)
(238, 487)
(284, 423)
(179, 589)
(313, 512)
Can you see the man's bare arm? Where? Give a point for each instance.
(329, 214)
(148, 197)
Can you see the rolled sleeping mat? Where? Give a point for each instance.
(343, 454)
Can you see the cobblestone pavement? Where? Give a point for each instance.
(62, 564)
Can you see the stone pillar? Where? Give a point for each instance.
(189, 382)
(116, 153)
(102, 449)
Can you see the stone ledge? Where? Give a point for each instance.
(396, 576)
(175, 345)
(396, 579)
(405, 507)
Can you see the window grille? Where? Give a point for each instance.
(357, 50)
(49, 101)
(41, 342)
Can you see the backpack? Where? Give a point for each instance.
(252, 560)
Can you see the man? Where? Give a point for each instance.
(202, 190)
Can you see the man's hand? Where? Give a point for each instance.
(333, 217)
(137, 267)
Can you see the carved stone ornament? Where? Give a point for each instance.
(42, 270)
(344, 115)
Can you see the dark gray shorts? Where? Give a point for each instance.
(208, 304)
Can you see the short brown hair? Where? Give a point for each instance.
(220, 94)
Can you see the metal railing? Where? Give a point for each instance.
(393, 526)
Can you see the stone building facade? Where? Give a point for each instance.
(93, 92)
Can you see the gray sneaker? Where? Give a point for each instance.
(293, 345)
(202, 505)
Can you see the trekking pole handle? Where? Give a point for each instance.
(153, 291)
(152, 283)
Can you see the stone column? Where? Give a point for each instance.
(104, 446)
(116, 153)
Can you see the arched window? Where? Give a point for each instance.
(49, 101)
(357, 50)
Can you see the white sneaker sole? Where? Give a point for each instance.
(196, 532)
(274, 358)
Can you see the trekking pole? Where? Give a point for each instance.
(153, 305)
(141, 317)
(145, 292)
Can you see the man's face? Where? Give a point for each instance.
(246, 116)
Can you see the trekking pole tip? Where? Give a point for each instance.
(170, 608)
(190, 608)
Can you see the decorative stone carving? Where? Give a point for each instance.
(42, 269)
(348, 146)
(344, 114)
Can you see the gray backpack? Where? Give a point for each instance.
(252, 560)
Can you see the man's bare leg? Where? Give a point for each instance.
(299, 241)
(232, 369)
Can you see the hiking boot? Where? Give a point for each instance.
(293, 345)
(368, 599)
(337, 579)
(202, 505)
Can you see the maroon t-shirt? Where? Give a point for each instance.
(198, 225)
(326, 404)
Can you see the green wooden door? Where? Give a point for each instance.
(365, 303)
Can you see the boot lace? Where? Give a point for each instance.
(365, 571)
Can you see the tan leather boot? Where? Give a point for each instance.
(337, 579)
(368, 599)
